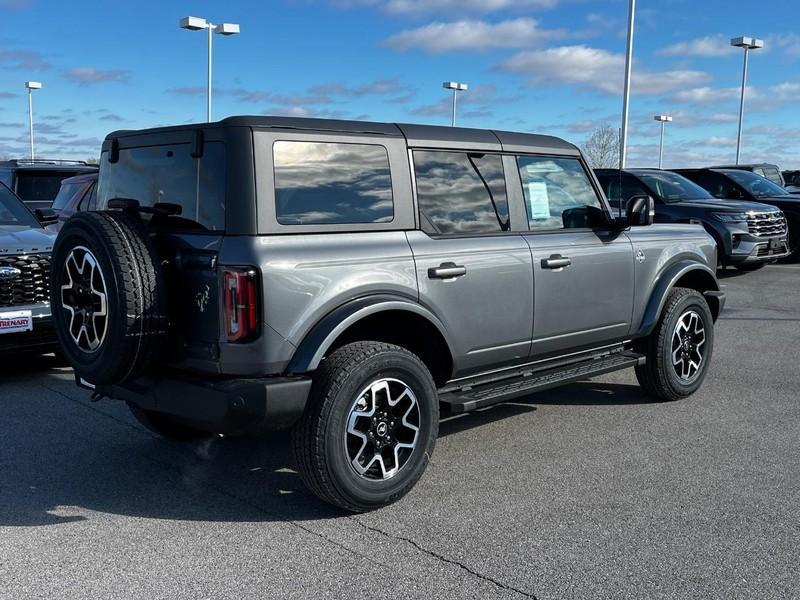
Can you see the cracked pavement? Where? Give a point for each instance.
(589, 491)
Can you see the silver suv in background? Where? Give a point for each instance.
(350, 280)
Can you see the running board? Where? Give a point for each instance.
(467, 399)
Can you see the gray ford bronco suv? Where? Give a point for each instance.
(350, 280)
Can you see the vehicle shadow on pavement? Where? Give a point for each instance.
(78, 459)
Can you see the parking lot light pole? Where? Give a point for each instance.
(456, 87)
(31, 85)
(664, 119)
(626, 94)
(748, 43)
(196, 24)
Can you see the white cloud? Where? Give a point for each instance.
(709, 95)
(788, 43)
(90, 76)
(417, 7)
(596, 68)
(472, 35)
(708, 46)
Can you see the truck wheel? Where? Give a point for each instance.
(679, 349)
(369, 427)
(167, 426)
(107, 296)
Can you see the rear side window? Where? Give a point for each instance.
(328, 183)
(41, 186)
(168, 174)
(460, 192)
(558, 193)
(66, 192)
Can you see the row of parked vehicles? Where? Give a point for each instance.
(351, 280)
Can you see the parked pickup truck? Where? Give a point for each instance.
(350, 280)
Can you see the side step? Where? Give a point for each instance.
(467, 399)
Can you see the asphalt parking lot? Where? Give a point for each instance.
(590, 491)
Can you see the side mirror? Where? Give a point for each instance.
(583, 217)
(641, 211)
(46, 216)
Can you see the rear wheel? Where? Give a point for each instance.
(679, 349)
(369, 428)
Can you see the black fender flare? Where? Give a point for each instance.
(667, 280)
(324, 333)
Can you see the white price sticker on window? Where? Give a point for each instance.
(539, 201)
(16, 321)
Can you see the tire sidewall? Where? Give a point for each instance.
(366, 492)
(91, 365)
(690, 302)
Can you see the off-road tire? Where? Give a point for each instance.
(167, 426)
(318, 438)
(136, 295)
(657, 376)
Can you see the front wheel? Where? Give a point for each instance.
(369, 428)
(679, 349)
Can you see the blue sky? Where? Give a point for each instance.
(548, 66)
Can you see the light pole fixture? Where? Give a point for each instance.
(626, 94)
(456, 87)
(196, 24)
(664, 119)
(748, 43)
(31, 85)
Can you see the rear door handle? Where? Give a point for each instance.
(447, 270)
(556, 261)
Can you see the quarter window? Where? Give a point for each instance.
(460, 192)
(558, 193)
(326, 183)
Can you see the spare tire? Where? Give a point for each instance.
(107, 296)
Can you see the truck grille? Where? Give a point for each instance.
(32, 286)
(763, 224)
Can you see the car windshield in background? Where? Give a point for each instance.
(760, 187)
(12, 211)
(671, 187)
(41, 186)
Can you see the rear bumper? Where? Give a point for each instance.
(219, 406)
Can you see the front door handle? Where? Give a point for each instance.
(556, 261)
(447, 270)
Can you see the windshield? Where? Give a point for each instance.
(12, 211)
(760, 187)
(671, 187)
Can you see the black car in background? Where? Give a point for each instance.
(76, 194)
(768, 170)
(748, 234)
(25, 320)
(37, 181)
(792, 179)
(735, 184)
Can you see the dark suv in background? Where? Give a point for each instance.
(735, 184)
(37, 181)
(768, 170)
(76, 194)
(748, 234)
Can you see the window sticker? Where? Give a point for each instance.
(539, 201)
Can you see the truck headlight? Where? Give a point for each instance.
(731, 217)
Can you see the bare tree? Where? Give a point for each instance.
(602, 147)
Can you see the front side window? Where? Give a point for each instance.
(558, 193)
(461, 192)
(169, 174)
(326, 183)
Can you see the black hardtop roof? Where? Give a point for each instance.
(416, 135)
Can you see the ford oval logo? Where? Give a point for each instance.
(7, 273)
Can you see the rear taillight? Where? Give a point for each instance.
(240, 300)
